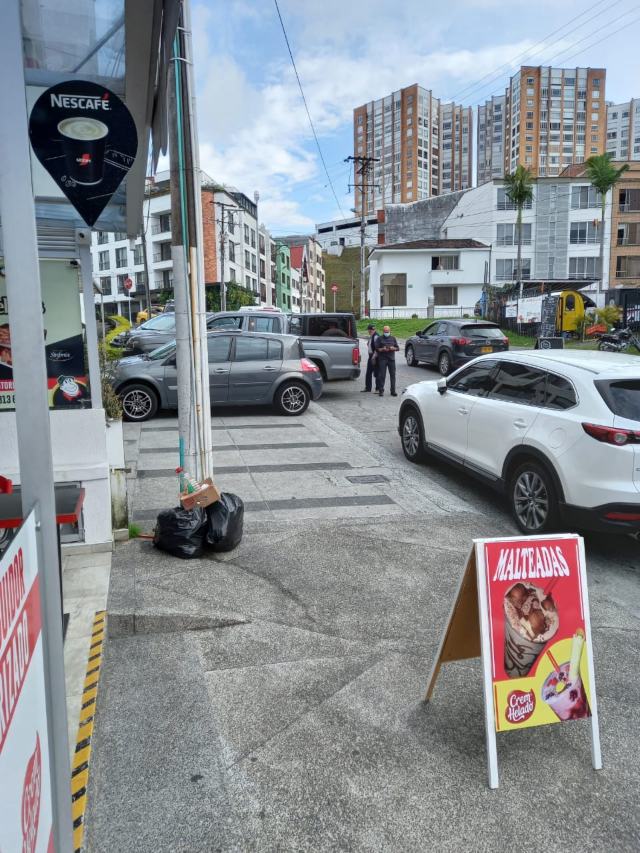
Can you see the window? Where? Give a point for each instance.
(629, 234)
(225, 323)
(218, 346)
(583, 267)
(560, 393)
(629, 200)
(161, 323)
(232, 251)
(506, 269)
(264, 324)
(445, 295)
(518, 383)
(623, 398)
(140, 281)
(163, 253)
(246, 233)
(103, 260)
(138, 256)
(103, 237)
(505, 203)
(105, 285)
(476, 381)
(445, 262)
(247, 259)
(252, 349)
(584, 197)
(583, 232)
(507, 234)
(121, 258)
(121, 281)
(253, 239)
(394, 289)
(627, 267)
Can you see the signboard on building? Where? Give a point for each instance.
(26, 822)
(64, 342)
(527, 310)
(523, 606)
(86, 139)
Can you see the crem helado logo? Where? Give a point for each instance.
(520, 705)
(81, 102)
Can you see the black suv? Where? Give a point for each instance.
(447, 344)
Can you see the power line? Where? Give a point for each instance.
(498, 72)
(304, 100)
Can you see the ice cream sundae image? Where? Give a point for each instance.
(531, 620)
(563, 690)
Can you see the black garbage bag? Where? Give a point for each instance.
(224, 523)
(181, 532)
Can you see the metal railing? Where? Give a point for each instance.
(437, 311)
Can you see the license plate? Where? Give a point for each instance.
(486, 349)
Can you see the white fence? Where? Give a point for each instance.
(393, 313)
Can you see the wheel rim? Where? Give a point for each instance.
(293, 399)
(531, 500)
(409, 356)
(444, 363)
(137, 404)
(411, 435)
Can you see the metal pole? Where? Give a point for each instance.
(223, 286)
(17, 211)
(334, 302)
(86, 273)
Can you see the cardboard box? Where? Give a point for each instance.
(206, 494)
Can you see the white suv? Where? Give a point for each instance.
(557, 431)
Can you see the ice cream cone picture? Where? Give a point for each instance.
(531, 620)
(563, 689)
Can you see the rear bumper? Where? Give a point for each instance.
(608, 518)
(462, 358)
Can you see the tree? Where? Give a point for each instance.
(237, 297)
(519, 189)
(603, 176)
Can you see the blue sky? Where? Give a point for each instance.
(253, 128)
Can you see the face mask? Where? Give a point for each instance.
(386, 334)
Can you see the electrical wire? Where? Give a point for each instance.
(306, 106)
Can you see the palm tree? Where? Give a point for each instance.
(519, 188)
(603, 176)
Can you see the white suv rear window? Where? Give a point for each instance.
(622, 397)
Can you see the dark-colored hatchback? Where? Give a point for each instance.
(447, 344)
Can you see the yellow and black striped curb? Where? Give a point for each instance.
(80, 763)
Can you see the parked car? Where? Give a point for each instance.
(447, 344)
(557, 431)
(152, 334)
(245, 368)
(331, 341)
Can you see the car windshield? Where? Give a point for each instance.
(162, 323)
(163, 351)
(482, 331)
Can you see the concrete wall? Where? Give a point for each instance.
(421, 220)
(421, 279)
(78, 440)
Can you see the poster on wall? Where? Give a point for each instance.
(26, 817)
(86, 139)
(63, 339)
(523, 607)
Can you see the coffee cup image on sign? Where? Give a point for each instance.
(83, 142)
(563, 690)
(530, 621)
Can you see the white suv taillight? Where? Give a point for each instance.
(612, 435)
(307, 366)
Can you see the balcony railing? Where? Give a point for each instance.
(158, 257)
(628, 241)
(629, 207)
(159, 228)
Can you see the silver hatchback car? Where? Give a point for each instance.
(245, 369)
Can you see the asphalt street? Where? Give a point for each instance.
(271, 698)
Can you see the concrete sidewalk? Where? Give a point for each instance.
(271, 698)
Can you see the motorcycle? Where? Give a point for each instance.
(619, 341)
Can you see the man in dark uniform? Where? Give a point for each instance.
(386, 349)
(372, 360)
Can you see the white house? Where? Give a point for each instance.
(427, 277)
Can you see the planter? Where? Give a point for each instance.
(117, 475)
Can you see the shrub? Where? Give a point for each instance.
(610, 315)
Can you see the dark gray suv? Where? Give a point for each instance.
(245, 368)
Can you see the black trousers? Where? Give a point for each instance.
(385, 364)
(372, 373)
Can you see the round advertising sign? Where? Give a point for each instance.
(86, 139)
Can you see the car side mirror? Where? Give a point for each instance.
(171, 362)
(419, 333)
(442, 386)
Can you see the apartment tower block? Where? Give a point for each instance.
(623, 130)
(422, 148)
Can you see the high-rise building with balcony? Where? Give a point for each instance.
(547, 119)
(421, 147)
(492, 117)
(623, 130)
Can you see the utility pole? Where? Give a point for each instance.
(362, 167)
(223, 284)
